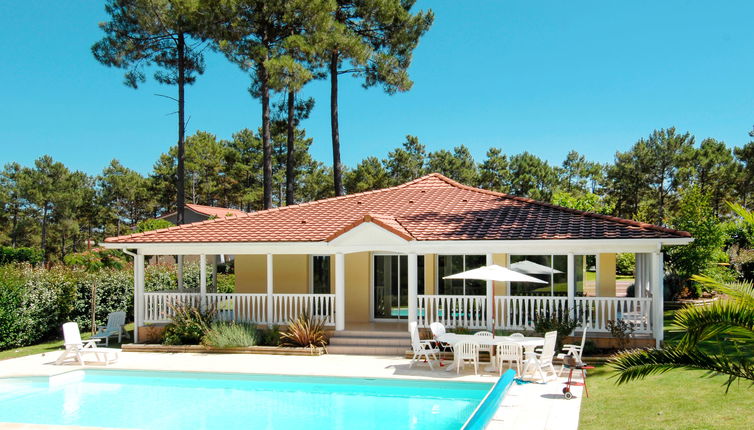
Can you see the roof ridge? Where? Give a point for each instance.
(567, 209)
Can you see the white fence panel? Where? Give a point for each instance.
(286, 307)
(453, 311)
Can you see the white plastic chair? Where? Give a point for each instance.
(487, 348)
(114, 327)
(573, 350)
(76, 348)
(543, 359)
(466, 351)
(517, 336)
(509, 352)
(421, 348)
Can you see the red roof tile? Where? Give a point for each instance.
(432, 207)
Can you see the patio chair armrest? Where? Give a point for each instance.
(569, 346)
(90, 343)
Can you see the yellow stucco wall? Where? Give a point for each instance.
(290, 274)
(606, 275)
(357, 287)
(501, 288)
(429, 274)
(251, 273)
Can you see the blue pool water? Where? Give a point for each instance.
(179, 400)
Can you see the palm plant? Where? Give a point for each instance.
(305, 331)
(729, 320)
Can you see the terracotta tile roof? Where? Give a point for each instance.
(214, 211)
(432, 207)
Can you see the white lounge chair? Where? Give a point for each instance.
(466, 351)
(509, 352)
(115, 323)
(574, 351)
(75, 348)
(421, 348)
(543, 360)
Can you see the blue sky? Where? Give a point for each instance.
(540, 76)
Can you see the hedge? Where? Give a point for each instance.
(35, 302)
(20, 255)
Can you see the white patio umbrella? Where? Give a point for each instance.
(532, 268)
(494, 272)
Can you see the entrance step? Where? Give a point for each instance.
(369, 342)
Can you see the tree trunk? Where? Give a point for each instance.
(266, 139)
(180, 173)
(44, 234)
(336, 166)
(289, 160)
(14, 234)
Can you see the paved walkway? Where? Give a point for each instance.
(530, 406)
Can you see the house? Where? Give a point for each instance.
(196, 213)
(380, 256)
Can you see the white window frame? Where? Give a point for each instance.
(437, 269)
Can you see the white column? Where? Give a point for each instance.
(340, 291)
(658, 272)
(572, 285)
(203, 281)
(179, 273)
(413, 287)
(138, 294)
(638, 275)
(490, 298)
(270, 304)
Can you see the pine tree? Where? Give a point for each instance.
(159, 33)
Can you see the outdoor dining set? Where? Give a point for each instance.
(527, 355)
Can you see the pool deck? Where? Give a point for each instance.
(530, 406)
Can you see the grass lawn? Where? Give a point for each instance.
(55, 345)
(678, 399)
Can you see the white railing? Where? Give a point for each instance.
(239, 307)
(158, 306)
(243, 307)
(597, 311)
(453, 311)
(518, 312)
(286, 307)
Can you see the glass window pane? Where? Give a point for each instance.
(560, 275)
(537, 266)
(321, 274)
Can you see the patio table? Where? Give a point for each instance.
(529, 343)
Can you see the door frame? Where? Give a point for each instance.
(372, 302)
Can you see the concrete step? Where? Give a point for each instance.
(374, 341)
(366, 350)
(373, 333)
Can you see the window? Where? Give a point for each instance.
(320, 274)
(552, 269)
(452, 264)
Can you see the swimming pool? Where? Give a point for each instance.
(181, 400)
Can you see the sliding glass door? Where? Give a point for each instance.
(390, 301)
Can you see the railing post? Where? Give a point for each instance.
(269, 275)
(340, 292)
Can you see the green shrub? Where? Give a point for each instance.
(152, 224)
(230, 334)
(625, 263)
(562, 323)
(269, 336)
(34, 303)
(189, 325)
(96, 259)
(20, 255)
